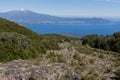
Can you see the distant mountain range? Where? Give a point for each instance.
(28, 17)
(69, 34)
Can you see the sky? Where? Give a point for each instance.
(68, 8)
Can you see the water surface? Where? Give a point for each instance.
(80, 29)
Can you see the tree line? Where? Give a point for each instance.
(109, 42)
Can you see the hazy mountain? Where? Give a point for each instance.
(69, 34)
(28, 17)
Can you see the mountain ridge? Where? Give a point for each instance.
(31, 17)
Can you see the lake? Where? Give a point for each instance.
(79, 29)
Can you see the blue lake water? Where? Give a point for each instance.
(80, 29)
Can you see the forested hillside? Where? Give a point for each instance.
(17, 42)
(111, 43)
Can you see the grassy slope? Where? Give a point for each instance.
(17, 42)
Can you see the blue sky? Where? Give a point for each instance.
(70, 8)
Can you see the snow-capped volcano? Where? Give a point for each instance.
(26, 16)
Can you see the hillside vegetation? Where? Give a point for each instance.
(17, 42)
(111, 43)
(30, 56)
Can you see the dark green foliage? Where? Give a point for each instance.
(111, 43)
(116, 35)
(17, 42)
(90, 39)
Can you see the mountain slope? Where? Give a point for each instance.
(71, 62)
(17, 42)
(51, 57)
(27, 17)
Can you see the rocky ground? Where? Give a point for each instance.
(72, 62)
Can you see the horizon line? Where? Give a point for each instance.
(70, 16)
